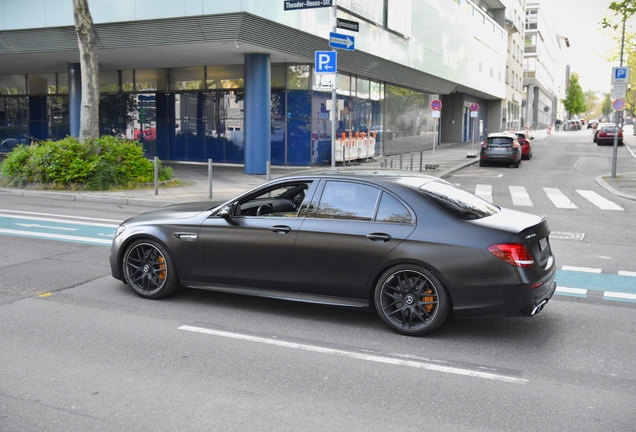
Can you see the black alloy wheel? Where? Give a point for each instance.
(411, 300)
(149, 270)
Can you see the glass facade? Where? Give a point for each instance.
(196, 113)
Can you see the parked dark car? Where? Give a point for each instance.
(413, 247)
(526, 145)
(501, 147)
(605, 132)
(11, 143)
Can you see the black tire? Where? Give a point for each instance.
(411, 300)
(149, 270)
(516, 164)
(482, 163)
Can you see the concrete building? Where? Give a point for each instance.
(543, 69)
(233, 81)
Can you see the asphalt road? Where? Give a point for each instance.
(80, 351)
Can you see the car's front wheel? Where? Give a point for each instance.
(411, 300)
(149, 270)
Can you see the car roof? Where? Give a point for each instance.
(379, 175)
(501, 134)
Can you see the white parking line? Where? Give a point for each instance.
(626, 273)
(609, 295)
(582, 269)
(357, 355)
(559, 199)
(520, 196)
(484, 191)
(576, 292)
(599, 201)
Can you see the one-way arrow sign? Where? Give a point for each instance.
(339, 41)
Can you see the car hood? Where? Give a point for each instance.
(509, 220)
(175, 211)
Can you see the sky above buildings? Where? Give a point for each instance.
(579, 20)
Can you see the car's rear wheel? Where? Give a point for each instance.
(149, 270)
(411, 300)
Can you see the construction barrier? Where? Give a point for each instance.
(550, 129)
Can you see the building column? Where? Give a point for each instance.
(257, 118)
(74, 98)
(529, 106)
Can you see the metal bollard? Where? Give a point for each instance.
(156, 175)
(210, 178)
(400, 160)
(411, 164)
(421, 159)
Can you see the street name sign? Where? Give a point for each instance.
(348, 25)
(340, 41)
(306, 4)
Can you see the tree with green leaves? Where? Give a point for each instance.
(606, 108)
(89, 113)
(574, 101)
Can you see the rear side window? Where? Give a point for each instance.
(458, 202)
(499, 140)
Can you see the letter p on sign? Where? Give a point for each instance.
(326, 62)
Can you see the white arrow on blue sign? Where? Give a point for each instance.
(339, 41)
(326, 62)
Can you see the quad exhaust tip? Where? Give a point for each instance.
(538, 308)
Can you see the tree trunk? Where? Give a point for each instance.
(89, 114)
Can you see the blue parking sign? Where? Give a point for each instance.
(620, 74)
(326, 62)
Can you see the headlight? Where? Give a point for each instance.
(120, 229)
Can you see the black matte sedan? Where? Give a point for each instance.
(413, 247)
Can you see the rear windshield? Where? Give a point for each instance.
(499, 140)
(609, 128)
(458, 202)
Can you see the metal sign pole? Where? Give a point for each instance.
(334, 102)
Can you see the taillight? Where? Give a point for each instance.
(513, 253)
(485, 144)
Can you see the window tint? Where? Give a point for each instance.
(391, 210)
(344, 200)
(458, 202)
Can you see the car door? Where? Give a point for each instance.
(249, 250)
(347, 232)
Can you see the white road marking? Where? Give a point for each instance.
(578, 292)
(520, 196)
(581, 269)
(55, 236)
(67, 221)
(599, 201)
(358, 355)
(57, 215)
(484, 191)
(559, 199)
(626, 273)
(45, 226)
(609, 295)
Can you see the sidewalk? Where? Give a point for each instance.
(229, 181)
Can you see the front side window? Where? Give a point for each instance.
(285, 200)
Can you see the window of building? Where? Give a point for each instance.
(190, 78)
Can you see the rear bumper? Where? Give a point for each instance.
(492, 298)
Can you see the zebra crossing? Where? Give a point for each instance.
(520, 197)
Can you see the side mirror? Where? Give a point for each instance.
(226, 212)
(531, 138)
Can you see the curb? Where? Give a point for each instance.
(601, 182)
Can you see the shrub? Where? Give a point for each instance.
(100, 164)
